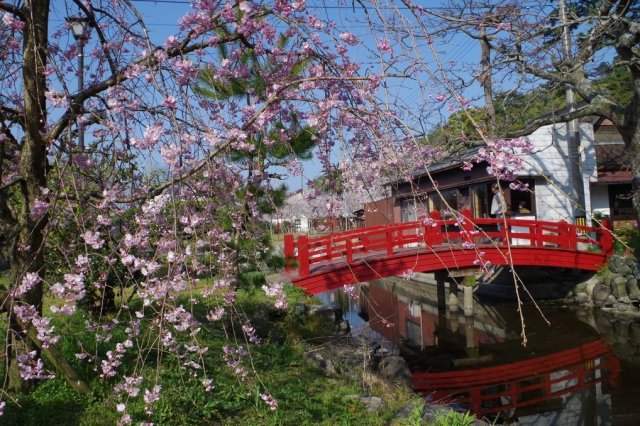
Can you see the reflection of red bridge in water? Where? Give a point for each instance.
(520, 384)
(331, 261)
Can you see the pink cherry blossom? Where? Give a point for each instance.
(93, 239)
(270, 401)
(349, 38)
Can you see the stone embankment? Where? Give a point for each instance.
(369, 361)
(354, 356)
(615, 288)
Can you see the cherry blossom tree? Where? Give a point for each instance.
(126, 215)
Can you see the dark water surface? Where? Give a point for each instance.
(582, 369)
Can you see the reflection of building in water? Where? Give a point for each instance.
(564, 376)
(407, 312)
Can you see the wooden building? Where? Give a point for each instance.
(446, 187)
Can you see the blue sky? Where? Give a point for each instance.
(161, 16)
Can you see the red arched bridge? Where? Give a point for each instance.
(332, 261)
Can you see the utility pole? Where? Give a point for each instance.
(573, 129)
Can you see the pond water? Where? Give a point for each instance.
(581, 369)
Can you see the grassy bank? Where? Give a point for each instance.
(304, 394)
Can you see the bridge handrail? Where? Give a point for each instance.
(462, 231)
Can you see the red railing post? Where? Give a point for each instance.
(570, 239)
(606, 241)
(427, 234)
(572, 236)
(289, 251)
(349, 250)
(466, 226)
(389, 241)
(563, 234)
(303, 256)
(437, 237)
(475, 396)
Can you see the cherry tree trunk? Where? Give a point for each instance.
(26, 244)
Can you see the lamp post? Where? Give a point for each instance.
(80, 30)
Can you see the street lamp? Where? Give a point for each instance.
(80, 29)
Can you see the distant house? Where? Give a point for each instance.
(295, 215)
(606, 178)
(321, 213)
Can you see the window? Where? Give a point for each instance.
(449, 201)
(408, 211)
(480, 201)
(621, 202)
(522, 202)
(412, 207)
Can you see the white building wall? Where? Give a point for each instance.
(550, 160)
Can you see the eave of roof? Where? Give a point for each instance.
(617, 176)
(612, 157)
(451, 162)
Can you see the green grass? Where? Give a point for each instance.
(305, 395)
(5, 279)
(453, 418)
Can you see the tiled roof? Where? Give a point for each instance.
(454, 160)
(614, 163)
(612, 157)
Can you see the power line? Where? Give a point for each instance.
(186, 2)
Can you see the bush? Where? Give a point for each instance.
(252, 279)
(627, 237)
(275, 262)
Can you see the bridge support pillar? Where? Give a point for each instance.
(468, 300)
(441, 278)
(453, 302)
(470, 336)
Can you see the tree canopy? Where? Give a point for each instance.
(515, 109)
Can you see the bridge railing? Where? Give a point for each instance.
(463, 233)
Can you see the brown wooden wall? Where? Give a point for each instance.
(381, 212)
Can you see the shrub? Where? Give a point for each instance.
(628, 237)
(252, 279)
